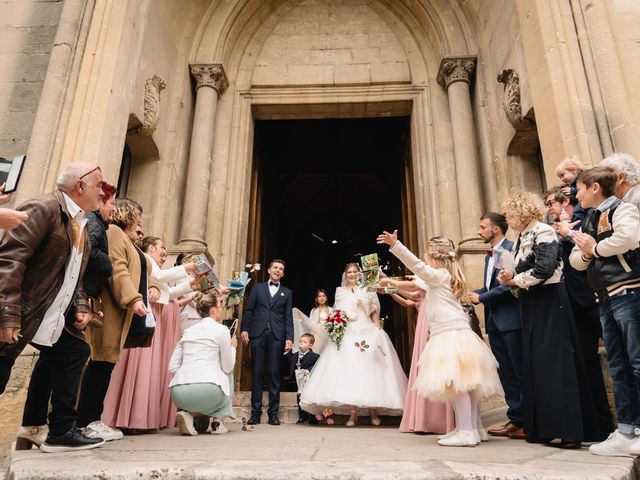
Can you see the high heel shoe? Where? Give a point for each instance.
(353, 419)
(31, 436)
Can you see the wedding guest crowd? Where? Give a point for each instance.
(83, 285)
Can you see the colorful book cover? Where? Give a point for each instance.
(370, 262)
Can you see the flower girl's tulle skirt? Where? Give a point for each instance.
(457, 361)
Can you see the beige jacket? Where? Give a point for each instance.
(119, 294)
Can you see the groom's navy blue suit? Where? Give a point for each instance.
(504, 327)
(269, 322)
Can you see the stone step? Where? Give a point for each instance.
(288, 412)
(318, 453)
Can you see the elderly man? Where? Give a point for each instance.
(42, 303)
(628, 171)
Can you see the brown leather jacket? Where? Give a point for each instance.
(33, 261)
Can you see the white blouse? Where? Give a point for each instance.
(164, 278)
(204, 355)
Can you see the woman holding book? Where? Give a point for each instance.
(138, 398)
(363, 375)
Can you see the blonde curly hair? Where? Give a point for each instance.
(443, 251)
(126, 214)
(523, 208)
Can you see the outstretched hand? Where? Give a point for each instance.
(388, 238)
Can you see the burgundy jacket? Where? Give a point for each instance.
(33, 261)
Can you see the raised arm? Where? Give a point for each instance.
(429, 275)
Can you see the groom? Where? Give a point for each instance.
(267, 325)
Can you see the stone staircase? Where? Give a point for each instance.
(288, 412)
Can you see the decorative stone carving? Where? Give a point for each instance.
(511, 101)
(210, 75)
(525, 141)
(152, 88)
(456, 69)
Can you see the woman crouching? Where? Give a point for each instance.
(202, 364)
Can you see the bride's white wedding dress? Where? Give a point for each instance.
(366, 375)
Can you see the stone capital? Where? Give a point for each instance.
(210, 75)
(456, 69)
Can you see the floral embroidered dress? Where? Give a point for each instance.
(365, 372)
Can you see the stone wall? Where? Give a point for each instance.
(327, 43)
(27, 30)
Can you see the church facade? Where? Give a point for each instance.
(164, 96)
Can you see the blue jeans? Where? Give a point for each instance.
(620, 318)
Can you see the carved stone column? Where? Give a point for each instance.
(212, 82)
(455, 76)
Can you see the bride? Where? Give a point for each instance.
(364, 375)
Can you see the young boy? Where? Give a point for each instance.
(568, 171)
(608, 248)
(304, 359)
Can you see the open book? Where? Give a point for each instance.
(204, 275)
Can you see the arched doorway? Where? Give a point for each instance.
(323, 189)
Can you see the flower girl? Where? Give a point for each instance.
(456, 365)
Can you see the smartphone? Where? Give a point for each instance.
(233, 327)
(10, 173)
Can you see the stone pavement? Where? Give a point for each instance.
(316, 452)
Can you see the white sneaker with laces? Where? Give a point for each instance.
(185, 423)
(634, 448)
(615, 445)
(447, 435)
(100, 429)
(462, 438)
(218, 428)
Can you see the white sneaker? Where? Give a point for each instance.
(447, 435)
(218, 428)
(614, 446)
(634, 448)
(481, 435)
(461, 439)
(31, 436)
(185, 423)
(100, 429)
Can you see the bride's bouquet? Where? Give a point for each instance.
(335, 325)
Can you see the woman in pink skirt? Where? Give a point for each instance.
(421, 415)
(138, 397)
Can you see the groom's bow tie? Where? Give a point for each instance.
(273, 284)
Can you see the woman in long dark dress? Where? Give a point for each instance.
(557, 403)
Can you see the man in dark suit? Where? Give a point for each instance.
(267, 325)
(586, 311)
(503, 323)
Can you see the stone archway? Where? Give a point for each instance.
(333, 54)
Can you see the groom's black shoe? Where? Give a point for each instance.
(255, 419)
(274, 420)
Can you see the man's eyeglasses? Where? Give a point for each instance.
(550, 203)
(97, 169)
